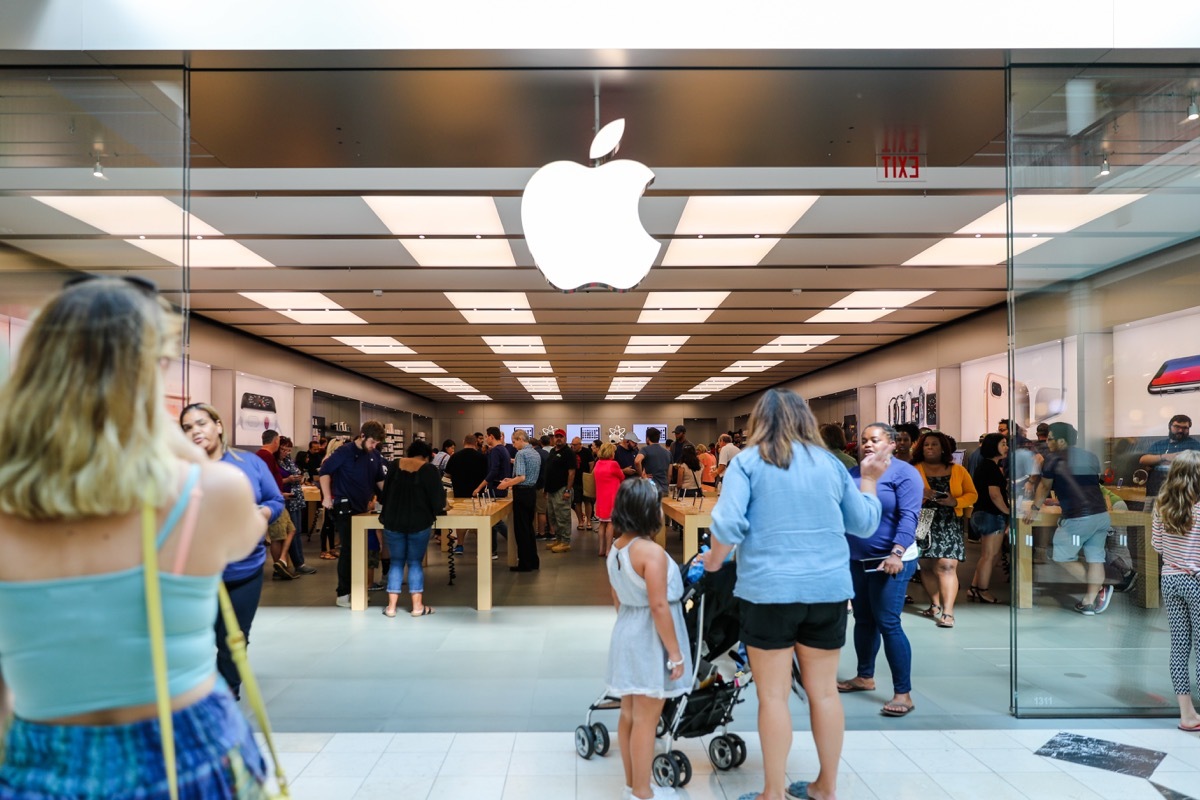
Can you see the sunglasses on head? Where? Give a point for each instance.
(144, 285)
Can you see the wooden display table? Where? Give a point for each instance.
(1146, 594)
(312, 494)
(481, 517)
(693, 513)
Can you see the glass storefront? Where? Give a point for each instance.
(99, 169)
(1105, 314)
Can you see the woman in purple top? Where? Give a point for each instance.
(881, 567)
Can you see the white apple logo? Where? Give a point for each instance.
(582, 223)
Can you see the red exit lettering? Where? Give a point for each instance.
(899, 167)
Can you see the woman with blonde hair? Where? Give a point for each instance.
(792, 577)
(608, 475)
(1175, 533)
(78, 488)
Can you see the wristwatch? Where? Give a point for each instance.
(673, 664)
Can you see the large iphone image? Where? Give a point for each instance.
(997, 401)
(1176, 375)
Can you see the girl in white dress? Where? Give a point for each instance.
(648, 659)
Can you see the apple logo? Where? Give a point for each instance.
(582, 224)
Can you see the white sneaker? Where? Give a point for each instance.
(656, 792)
(343, 601)
(627, 793)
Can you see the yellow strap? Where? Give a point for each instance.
(158, 643)
(237, 649)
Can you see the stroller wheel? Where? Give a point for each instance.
(585, 746)
(664, 771)
(683, 765)
(739, 748)
(661, 728)
(722, 753)
(601, 738)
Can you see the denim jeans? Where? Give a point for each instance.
(243, 595)
(407, 548)
(296, 551)
(878, 602)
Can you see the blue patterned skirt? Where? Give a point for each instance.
(215, 751)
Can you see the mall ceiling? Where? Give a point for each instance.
(290, 167)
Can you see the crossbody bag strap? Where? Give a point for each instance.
(237, 649)
(158, 643)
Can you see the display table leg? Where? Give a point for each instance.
(1148, 591)
(358, 563)
(691, 537)
(1024, 566)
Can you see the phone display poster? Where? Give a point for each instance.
(588, 432)
(907, 400)
(640, 429)
(507, 430)
(1156, 373)
(262, 405)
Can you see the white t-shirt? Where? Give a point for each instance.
(727, 453)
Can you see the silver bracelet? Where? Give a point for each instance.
(673, 664)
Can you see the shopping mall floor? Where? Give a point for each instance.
(463, 704)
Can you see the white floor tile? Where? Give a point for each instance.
(1013, 760)
(421, 743)
(341, 765)
(298, 742)
(483, 742)
(476, 763)
(320, 788)
(598, 787)
(546, 763)
(945, 760)
(551, 741)
(489, 787)
(968, 786)
(400, 765)
(394, 788)
(1049, 786)
(1187, 783)
(905, 787)
(866, 762)
(359, 743)
(1112, 786)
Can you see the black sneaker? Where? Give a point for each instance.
(377, 587)
(282, 573)
(1128, 580)
(1087, 609)
(305, 569)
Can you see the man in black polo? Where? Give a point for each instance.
(467, 469)
(560, 478)
(499, 468)
(627, 454)
(349, 479)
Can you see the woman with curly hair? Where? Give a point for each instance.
(948, 490)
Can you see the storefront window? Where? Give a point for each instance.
(1104, 213)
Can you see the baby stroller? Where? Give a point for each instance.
(710, 617)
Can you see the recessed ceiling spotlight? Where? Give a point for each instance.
(1104, 170)
(98, 171)
(1193, 113)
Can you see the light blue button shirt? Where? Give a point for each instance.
(790, 525)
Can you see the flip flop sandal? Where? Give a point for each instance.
(933, 612)
(888, 712)
(424, 612)
(850, 688)
(1189, 728)
(945, 621)
(389, 613)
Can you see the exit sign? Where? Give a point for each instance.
(900, 167)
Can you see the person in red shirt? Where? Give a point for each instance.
(281, 531)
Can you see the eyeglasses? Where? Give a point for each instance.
(144, 285)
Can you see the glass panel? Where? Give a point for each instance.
(1104, 214)
(91, 182)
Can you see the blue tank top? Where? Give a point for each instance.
(74, 645)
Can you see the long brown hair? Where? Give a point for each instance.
(1179, 493)
(780, 419)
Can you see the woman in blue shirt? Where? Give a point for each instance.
(880, 568)
(787, 504)
(243, 579)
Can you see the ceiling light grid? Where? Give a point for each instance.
(762, 219)
(528, 366)
(751, 366)
(547, 385)
(867, 306)
(506, 308)
(528, 345)
(640, 366)
(654, 344)
(680, 307)
(625, 384)
(413, 218)
(376, 345)
(619, 396)
(452, 385)
(691, 396)
(794, 344)
(415, 367)
(307, 308)
(716, 384)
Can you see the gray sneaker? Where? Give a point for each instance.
(305, 569)
(1087, 609)
(343, 601)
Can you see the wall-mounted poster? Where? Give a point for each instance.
(1156, 373)
(588, 432)
(907, 400)
(261, 404)
(508, 429)
(640, 430)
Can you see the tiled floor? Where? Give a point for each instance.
(888, 765)
(468, 705)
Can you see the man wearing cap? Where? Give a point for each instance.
(560, 477)
(627, 453)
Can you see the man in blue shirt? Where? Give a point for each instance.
(527, 467)
(349, 478)
(627, 453)
(1158, 458)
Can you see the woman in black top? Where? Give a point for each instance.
(990, 517)
(413, 498)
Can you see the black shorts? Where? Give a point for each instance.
(779, 626)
